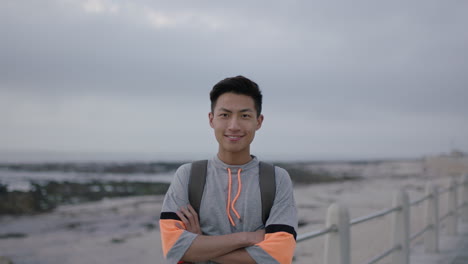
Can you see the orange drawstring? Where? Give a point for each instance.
(239, 188)
(229, 198)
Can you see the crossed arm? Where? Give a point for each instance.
(222, 249)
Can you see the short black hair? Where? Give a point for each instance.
(237, 85)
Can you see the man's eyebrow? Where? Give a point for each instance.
(229, 111)
(222, 109)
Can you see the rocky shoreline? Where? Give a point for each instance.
(45, 197)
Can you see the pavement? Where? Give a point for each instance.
(452, 249)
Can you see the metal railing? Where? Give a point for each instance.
(337, 231)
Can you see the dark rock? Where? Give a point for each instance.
(12, 235)
(46, 196)
(17, 202)
(118, 240)
(5, 260)
(149, 226)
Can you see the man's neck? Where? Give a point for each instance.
(235, 158)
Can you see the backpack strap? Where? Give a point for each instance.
(197, 183)
(266, 180)
(267, 188)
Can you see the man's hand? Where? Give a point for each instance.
(222, 249)
(190, 219)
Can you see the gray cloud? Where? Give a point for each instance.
(382, 75)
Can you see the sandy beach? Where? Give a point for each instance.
(124, 230)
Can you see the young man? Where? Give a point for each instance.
(229, 226)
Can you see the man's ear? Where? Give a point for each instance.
(210, 118)
(259, 121)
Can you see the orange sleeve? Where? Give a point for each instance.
(169, 231)
(279, 243)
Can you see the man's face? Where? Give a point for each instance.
(234, 120)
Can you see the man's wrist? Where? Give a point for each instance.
(248, 239)
(244, 239)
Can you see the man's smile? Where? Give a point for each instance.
(234, 137)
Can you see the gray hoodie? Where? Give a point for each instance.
(244, 214)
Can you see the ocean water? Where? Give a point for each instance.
(21, 176)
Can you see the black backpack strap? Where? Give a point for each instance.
(267, 188)
(197, 183)
(266, 179)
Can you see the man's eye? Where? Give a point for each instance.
(223, 115)
(245, 116)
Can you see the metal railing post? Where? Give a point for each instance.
(452, 220)
(401, 228)
(431, 237)
(337, 244)
(464, 198)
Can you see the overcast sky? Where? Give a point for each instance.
(341, 80)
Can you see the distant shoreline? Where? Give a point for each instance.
(70, 182)
(49, 156)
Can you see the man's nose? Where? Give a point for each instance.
(233, 124)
